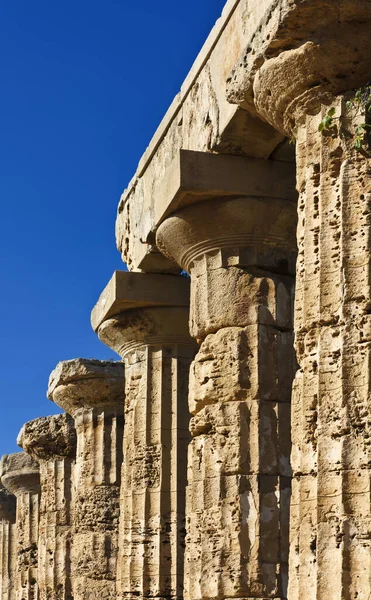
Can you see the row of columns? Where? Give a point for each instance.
(106, 513)
(144, 521)
(74, 492)
(122, 512)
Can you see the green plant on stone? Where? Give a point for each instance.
(361, 135)
(361, 101)
(361, 98)
(327, 122)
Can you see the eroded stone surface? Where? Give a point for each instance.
(271, 68)
(94, 393)
(331, 512)
(157, 350)
(52, 442)
(239, 464)
(240, 253)
(74, 382)
(20, 475)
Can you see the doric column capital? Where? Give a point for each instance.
(20, 474)
(81, 384)
(248, 231)
(190, 178)
(137, 310)
(228, 246)
(49, 438)
(297, 82)
(8, 504)
(304, 54)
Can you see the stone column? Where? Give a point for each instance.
(92, 392)
(240, 253)
(331, 510)
(20, 476)
(51, 441)
(8, 540)
(144, 318)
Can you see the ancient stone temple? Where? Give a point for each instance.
(226, 454)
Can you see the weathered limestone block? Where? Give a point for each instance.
(93, 393)
(155, 344)
(240, 254)
(8, 547)
(20, 476)
(51, 441)
(331, 506)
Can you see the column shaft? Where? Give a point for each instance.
(239, 475)
(28, 535)
(20, 476)
(52, 442)
(154, 472)
(331, 517)
(54, 567)
(98, 465)
(8, 548)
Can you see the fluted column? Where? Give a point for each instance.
(157, 349)
(20, 476)
(240, 254)
(330, 556)
(51, 441)
(8, 540)
(93, 393)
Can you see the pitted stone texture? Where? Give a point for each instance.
(98, 509)
(48, 438)
(52, 441)
(158, 350)
(20, 475)
(331, 459)
(94, 393)
(8, 548)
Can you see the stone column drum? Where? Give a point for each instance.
(52, 442)
(321, 108)
(8, 539)
(240, 253)
(93, 393)
(144, 318)
(20, 476)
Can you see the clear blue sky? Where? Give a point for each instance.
(84, 85)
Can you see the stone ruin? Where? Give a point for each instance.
(228, 455)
